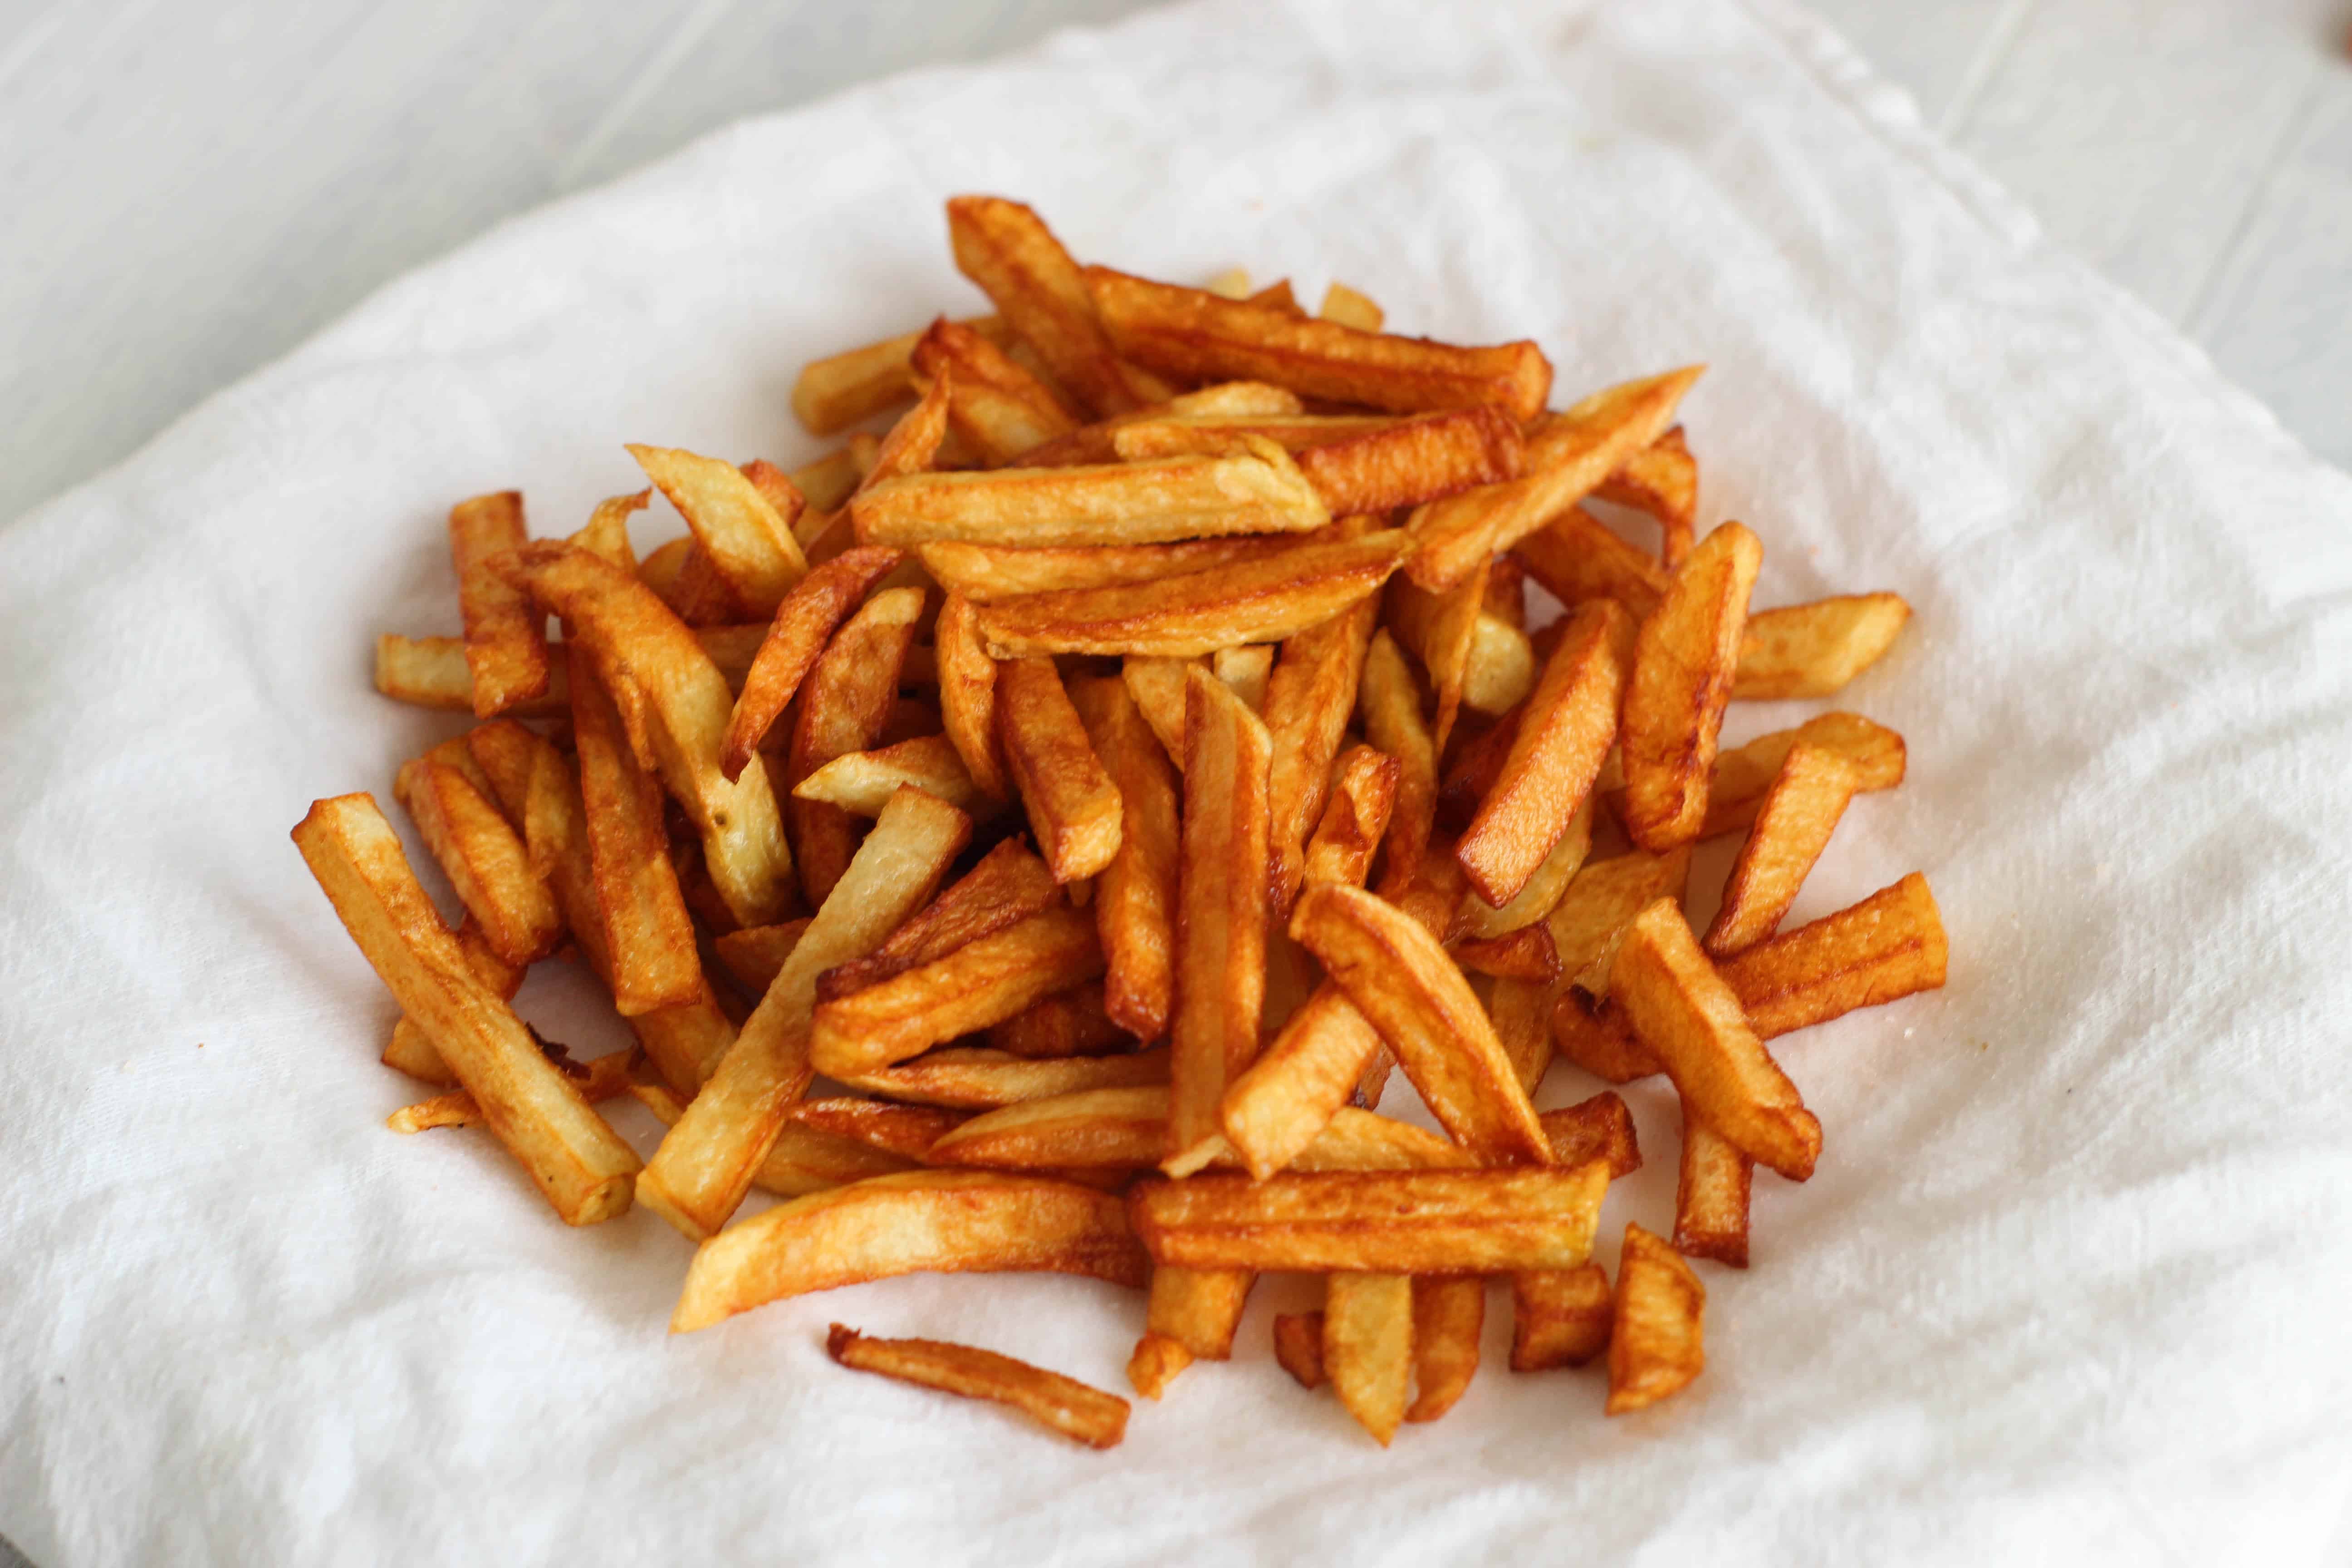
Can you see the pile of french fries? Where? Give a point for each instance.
(1030, 839)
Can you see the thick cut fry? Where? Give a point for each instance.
(1308, 698)
(1351, 309)
(1500, 669)
(848, 702)
(1541, 892)
(1407, 1222)
(839, 390)
(1008, 251)
(987, 572)
(599, 1080)
(1523, 956)
(1368, 1347)
(485, 859)
(1070, 1408)
(1792, 827)
(1576, 558)
(862, 783)
(698, 1176)
(1683, 663)
(1196, 336)
(1000, 409)
(1887, 946)
(1158, 686)
(980, 984)
(736, 528)
(1008, 885)
(506, 635)
(1656, 1336)
(1399, 978)
(968, 695)
(1275, 1110)
(1599, 1129)
(1745, 775)
(1135, 896)
(754, 955)
(1448, 1315)
(1602, 900)
(1392, 722)
(1662, 479)
(803, 624)
(647, 933)
(1072, 1023)
(1812, 650)
(1682, 1010)
(1363, 794)
(1298, 1346)
(583, 1170)
(1559, 1317)
(976, 1079)
(824, 485)
(1521, 1010)
(1221, 914)
(1711, 1196)
(1098, 442)
(1258, 490)
(1569, 456)
(919, 1222)
(1074, 807)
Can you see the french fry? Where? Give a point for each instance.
(1351, 309)
(1278, 296)
(803, 1159)
(431, 672)
(698, 1176)
(1745, 775)
(1568, 455)
(1691, 1020)
(825, 484)
(977, 1078)
(660, 568)
(1599, 1129)
(1368, 1323)
(1596, 1037)
(410, 1050)
(1356, 815)
(1008, 251)
(648, 937)
(1196, 336)
(1541, 892)
(1220, 991)
(485, 859)
(1357, 465)
(1656, 1339)
(917, 443)
(1522, 1011)
(1576, 558)
(846, 702)
(839, 390)
(1812, 650)
(1500, 668)
(1683, 658)
(1396, 973)
(1888, 946)
(1275, 1110)
(1008, 885)
(1449, 1312)
(1559, 1317)
(980, 984)
(599, 1080)
(754, 955)
(918, 1222)
(862, 783)
(1158, 686)
(1136, 894)
(1246, 670)
(1076, 1411)
(1711, 1196)
(1122, 1128)
(1792, 827)
(1073, 1023)
(1074, 807)
(582, 1169)
(701, 593)
(985, 574)
(1309, 697)
(1402, 1222)
(1298, 1346)
(1662, 479)
(1232, 283)
(968, 695)
(1523, 956)
(1098, 443)
(506, 636)
(1600, 902)
(996, 407)
(736, 528)
(1198, 1310)
(1391, 703)
(804, 622)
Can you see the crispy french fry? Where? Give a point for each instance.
(1743, 776)
(1361, 795)
(506, 636)
(1656, 1339)
(1136, 894)
(1006, 249)
(1391, 703)
(660, 568)
(1368, 1323)
(1196, 336)
(1439, 628)
(1576, 558)
(1158, 686)
(583, 1170)
(1298, 1346)
(837, 390)
(1812, 650)
(921, 1221)
(1522, 1011)
(1399, 978)
(1357, 465)
(1278, 296)
(1220, 926)
(1691, 1020)
(599, 1080)
(1309, 697)
(804, 622)
(985, 574)
(1500, 669)
(1408, 1221)
(485, 859)
(701, 593)
(754, 955)
(698, 1176)
(1541, 892)
(1351, 309)
(1274, 1110)
(1792, 827)
(1888, 946)
(1592, 914)
(1525, 956)
(1199, 1311)
(980, 984)
(807, 1156)
(862, 783)
(824, 485)
(1232, 283)
(1596, 1037)
(1000, 409)
(1683, 662)
(410, 1050)
(978, 1079)
(1662, 479)
(1559, 1317)
(1448, 1314)
(967, 696)
(1124, 1127)
(1073, 1023)
(1155, 1363)
(431, 672)
(1074, 807)
(648, 935)
(1599, 1129)
(736, 528)
(1098, 442)
(1711, 1196)
(846, 702)
(1070, 1408)
(1568, 455)
(1008, 885)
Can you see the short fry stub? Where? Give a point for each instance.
(1656, 1341)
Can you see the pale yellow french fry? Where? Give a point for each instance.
(736, 527)
(1368, 1347)
(862, 783)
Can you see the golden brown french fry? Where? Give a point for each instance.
(431, 672)
(916, 442)
(1522, 1011)
(736, 528)
(1576, 558)
(1391, 702)
(805, 1158)
(1308, 698)
(1500, 669)
(701, 593)
(1599, 1129)
(599, 1080)
(824, 485)
(1812, 650)
(837, 390)
(1656, 1337)
(1691, 1020)
(1220, 991)
(949, 1221)
(1006, 249)
(968, 695)
(1541, 892)
(1232, 283)
(1596, 1037)
(1070, 1408)
(1438, 628)
(1098, 443)
(1683, 658)
(754, 955)
(862, 783)
(1158, 686)
(980, 984)
(1662, 479)
(1559, 1317)
(1743, 774)
(1298, 1346)
(1403, 1222)
(1887, 946)
(1792, 827)
(1198, 1310)
(606, 533)
(1363, 794)
(647, 933)
(1593, 915)
(660, 568)
(1567, 457)
(698, 1176)
(1351, 309)
(410, 1050)
(1274, 1110)
(1357, 465)
(846, 702)
(1007, 886)
(1278, 296)
(583, 1170)
(1711, 1196)
(1399, 978)
(977, 1078)
(1135, 896)
(1448, 1315)
(1074, 807)
(506, 636)
(1072, 1023)
(485, 859)
(1368, 1347)
(1155, 1363)
(803, 624)
(1246, 669)
(1125, 1128)
(996, 407)
(1196, 336)
(1525, 955)
(987, 572)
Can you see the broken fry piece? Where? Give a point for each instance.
(1812, 650)
(1656, 1337)
(1136, 894)
(506, 636)
(1711, 1196)
(1559, 1317)
(1368, 1347)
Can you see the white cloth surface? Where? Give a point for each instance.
(2066, 1286)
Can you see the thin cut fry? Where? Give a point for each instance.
(654, 963)
(1125, 1128)
(1683, 663)
(967, 696)
(1355, 464)
(804, 622)
(1256, 490)
(1656, 1340)
(1812, 650)
(1391, 702)
(1298, 1346)
(1136, 894)
(803, 1159)
(1448, 1315)
(1309, 698)
(1363, 794)
(1368, 1347)
(1559, 1317)
(410, 1050)
(1792, 827)
(1711, 1196)
(506, 636)
(1069, 1406)
(1006, 249)
(1887, 946)
(1743, 776)
(845, 704)
(736, 528)
(1074, 807)
(1007, 886)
